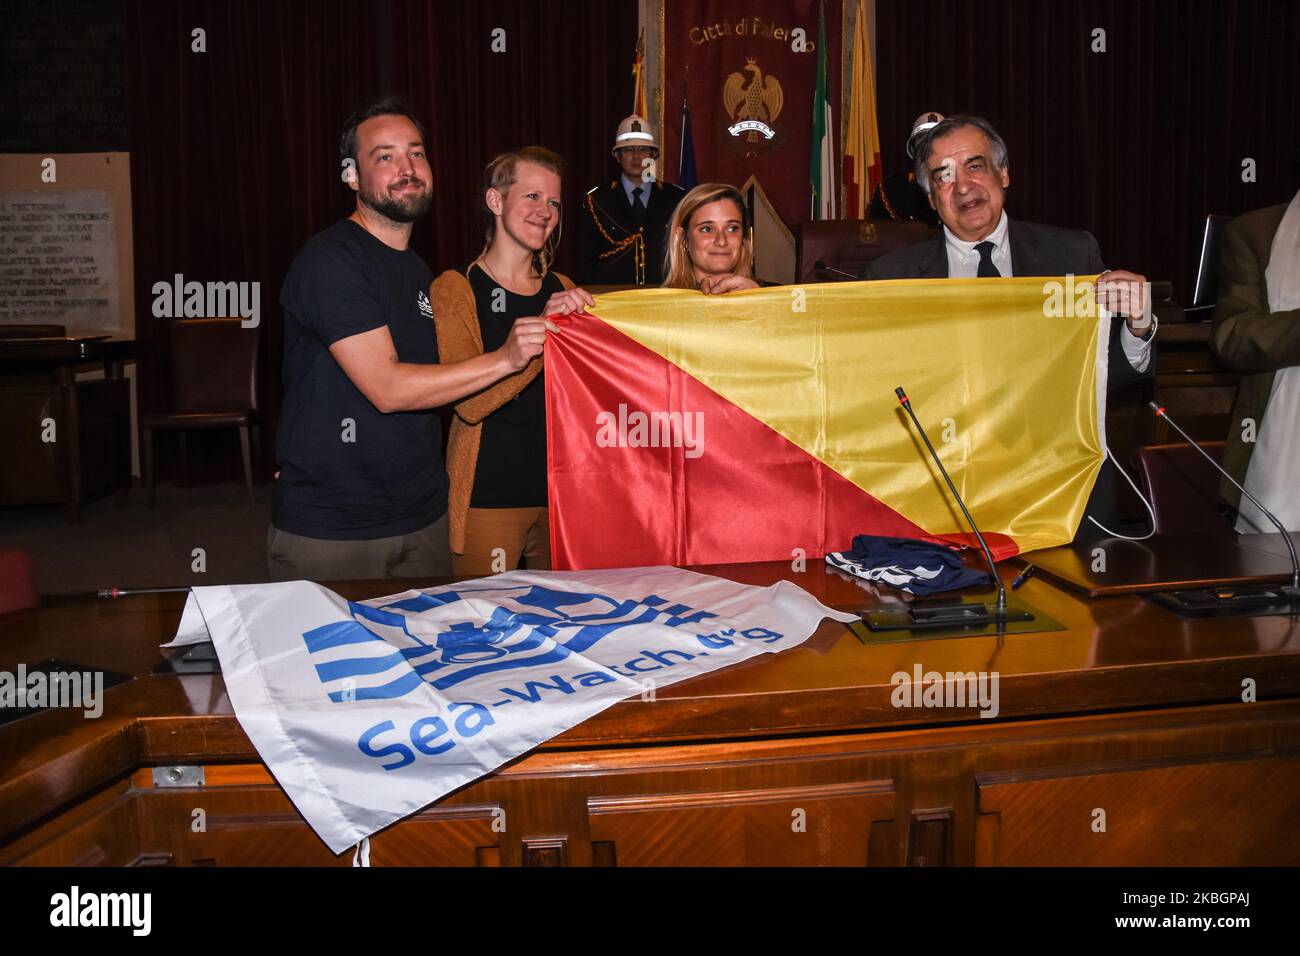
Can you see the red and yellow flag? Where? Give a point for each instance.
(862, 168)
(639, 106)
(693, 429)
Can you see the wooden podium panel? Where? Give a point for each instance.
(1271, 542)
(797, 758)
(104, 829)
(830, 825)
(239, 826)
(1168, 562)
(238, 817)
(1216, 785)
(1184, 815)
(258, 826)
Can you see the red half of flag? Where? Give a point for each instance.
(711, 485)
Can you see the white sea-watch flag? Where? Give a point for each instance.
(367, 711)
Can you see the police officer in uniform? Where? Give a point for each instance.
(625, 224)
(900, 197)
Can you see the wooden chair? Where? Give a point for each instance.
(214, 385)
(1183, 488)
(17, 583)
(849, 244)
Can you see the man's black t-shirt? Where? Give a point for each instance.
(511, 469)
(348, 471)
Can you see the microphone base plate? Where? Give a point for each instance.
(927, 617)
(1247, 601)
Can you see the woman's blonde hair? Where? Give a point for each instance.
(679, 271)
(500, 174)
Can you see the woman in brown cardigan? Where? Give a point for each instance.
(496, 454)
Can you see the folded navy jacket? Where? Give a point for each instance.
(918, 567)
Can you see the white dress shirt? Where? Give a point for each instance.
(964, 258)
(964, 263)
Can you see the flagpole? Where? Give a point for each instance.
(681, 146)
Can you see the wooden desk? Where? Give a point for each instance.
(796, 758)
(91, 450)
(1166, 562)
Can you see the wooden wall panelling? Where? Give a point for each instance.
(827, 825)
(247, 820)
(1194, 813)
(102, 830)
(441, 836)
(1192, 784)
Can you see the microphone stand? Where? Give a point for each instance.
(1239, 599)
(820, 267)
(113, 594)
(961, 613)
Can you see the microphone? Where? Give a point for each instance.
(114, 593)
(822, 267)
(1248, 598)
(961, 614)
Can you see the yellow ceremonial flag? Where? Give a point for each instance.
(862, 167)
(638, 79)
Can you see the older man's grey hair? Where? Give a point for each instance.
(925, 146)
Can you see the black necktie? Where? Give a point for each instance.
(638, 207)
(987, 269)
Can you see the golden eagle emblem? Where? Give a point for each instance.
(755, 104)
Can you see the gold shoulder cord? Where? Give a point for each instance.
(635, 241)
(884, 198)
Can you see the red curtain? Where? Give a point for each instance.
(234, 150)
(1137, 144)
(563, 81)
(234, 161)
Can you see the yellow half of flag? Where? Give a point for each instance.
(862, 141)
(1006, 375)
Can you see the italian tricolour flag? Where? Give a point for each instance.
(821, 174)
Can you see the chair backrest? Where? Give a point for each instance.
(1205, 292)
(17, 583)
(849, 244)
(214, 366)
(1183, 488)
(33, 331)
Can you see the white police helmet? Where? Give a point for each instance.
(923, 122)
(634, 131)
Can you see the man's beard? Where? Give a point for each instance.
(403, 208)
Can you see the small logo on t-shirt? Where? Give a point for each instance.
(425, 305)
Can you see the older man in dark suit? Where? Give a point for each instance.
(962, 165)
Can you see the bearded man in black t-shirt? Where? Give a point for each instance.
(362, 489)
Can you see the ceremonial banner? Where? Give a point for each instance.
(862, 170)
(367, 711)
(749, 70)
(762, 425)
